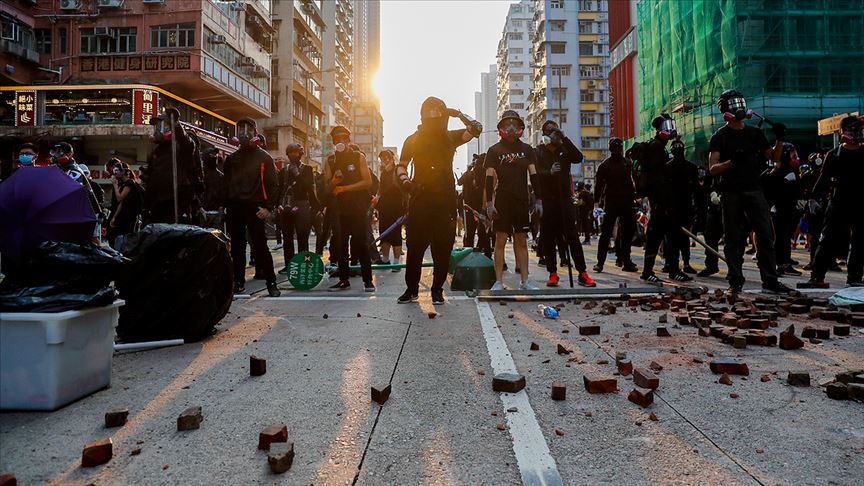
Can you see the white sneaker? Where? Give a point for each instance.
(497, 286)
(528, 285)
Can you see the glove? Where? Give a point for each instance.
(491, 212)
(779, 130)
(715, 199)
(790, 177)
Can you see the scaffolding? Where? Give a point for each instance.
(795, 61)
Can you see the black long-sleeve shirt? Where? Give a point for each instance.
(250, 177)
(297, 183)
(845, 168)
(553, 170)
(614, 181)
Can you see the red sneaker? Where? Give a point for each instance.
(586, 281)
(553, 280)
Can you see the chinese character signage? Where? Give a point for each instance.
(136, 63)
(145, 105)
(25, 108)
(305, 270)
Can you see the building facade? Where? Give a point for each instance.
(486, 112)
(514, 70)
(338, 96)
(367, 119)
(624, 71)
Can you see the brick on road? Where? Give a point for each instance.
(788, 340)
(642, 397)
(272, 434)
(380, 394)
(625, 367)
(589, 330)
(8, 480)
(116, 417)
(732, 366)
(645, 378)
(257, 366)
(600, 384)
(559, 391)
(280, 457)
(508, 382)
(798, 378)
(190, 419)
(97, 452)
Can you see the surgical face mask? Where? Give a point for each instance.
(340, 147)
(26, 159)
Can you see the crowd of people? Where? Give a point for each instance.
(652, 195)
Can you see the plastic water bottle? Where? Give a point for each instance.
(547, 312)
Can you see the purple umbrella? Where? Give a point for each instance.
(42, 204)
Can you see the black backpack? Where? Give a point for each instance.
(640, 178)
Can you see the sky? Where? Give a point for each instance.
(434, 48)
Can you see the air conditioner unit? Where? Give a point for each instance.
(259, 71)
(109, 3)
(247, 61)
(70, 4)
(218, 39)
(103, 32)
(592, 84)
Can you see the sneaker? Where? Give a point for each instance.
(841, 262)
(239, 287)
(273, 290)
(708, 271)
(438, 297)
(553, 280)
(284, 271)
(652, 279)
(341, 285)
(497, 286)
(586, 281)
(788, 270)
(541, 262)
(680, 277)
(688, 269)
(369, 287)
(619, 263)
(407, 297)
(630, 267)
(598, 268)
(776, 288)
(528, 285)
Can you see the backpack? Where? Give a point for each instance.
(640, 177)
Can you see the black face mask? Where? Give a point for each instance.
(678, 153)
(434, 125)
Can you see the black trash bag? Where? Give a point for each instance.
(179, 284)
(57, 277)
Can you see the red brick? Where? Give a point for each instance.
(765, 378)
(841, 330)
(704, 332)
(8, 480)
(273, 433)
(116, 417)
(589, 330)
(559, 391)
(760, 323)
(760, 338)
(641, 396)
(725, 379)
(729, 365)
(508, 382)
(799, 309)
(739, 342)
(190, 419)
(600, 384)
(813, 332)
(96, 453)
(645, 378)
(534, 347)
(788, 340)
(257, 366)
(837, 391)
(381, 394)
(625, 367)
(281, 457)
(663, 332)
(683, 319)
(798, 378)
(563, 350)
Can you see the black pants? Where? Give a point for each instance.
(623, 213)
(239, 218)
(425, 229)
(681, 242)
(299, 223)
(484, 237)
(660, 228)
(354, 226)
(785, 221)
(840, 219)
(163, 212)
(713, 233)
(329, 231)
(559, 220)
(739, 209)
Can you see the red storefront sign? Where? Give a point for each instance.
(622, 103)
(145, 105)
(25, 108)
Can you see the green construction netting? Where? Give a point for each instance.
(795, 60)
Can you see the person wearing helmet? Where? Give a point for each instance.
(508, 165)
(737, 154)
(347, 177)
(614, 192)
(432, 203)
(250, 198)
(555, 189)
(783, 190)
(683, 176)
(297, 202)
(656, 187)
(391, 205)
(159, 172)
(844, 165)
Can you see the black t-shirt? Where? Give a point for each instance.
(131, 203)
(435, 186)
(511, 166)
(845, 171)
(745, 148)
(346, 165)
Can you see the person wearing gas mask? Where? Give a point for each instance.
(391, 205)
(348, 178)
(736, 156)
(615, 192)
(554, 189)
(250, 198)
(297, 202)
(509, 163)
(432, 205)
(661, 226)
(159, 174)
(472, 182)
(683, 178)
(783, 190)
(844, 165)
(63, 156)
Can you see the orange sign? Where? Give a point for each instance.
(25, 108)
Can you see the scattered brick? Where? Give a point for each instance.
(500, 426)
(798, 378)
(97, 452)
(190, 419)
(380, 394)
(759, 323)
(663, 319)
(559, 391)
(856, 391)
(272, 434)
(813, 332)
(625, 367)
(856, 319)
(281, 457)
(589, 414)
(602, 361)
(134, 452)
(760, 338)
(733, 395)
(841, 329)
(644, 378)
(257, 366)
(830, 315)
(116, 417)
(534, 347)
(600, 384)
(815, 341)
(481, 372)
(589, 330)
(729, 365)
(8, 480)
(765, 378)
(788, 340)
(816, 310)
(563, 350)
(663, 332)
(739, 342)
(643, 397)
(837, 391)
(725, 380)
(698, 360)
(656, 366)
(703, 332)
(432, 315)
(799, 309)
(508, 382)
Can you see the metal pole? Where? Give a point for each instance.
(306, 140)
(174, 167)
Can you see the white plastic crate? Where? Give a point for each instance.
(50, 359)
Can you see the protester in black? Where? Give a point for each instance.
(213, 200)
(844, 165)
(683, 179)
(348, 179)
(130, 198)
(614, 191)
(783, 190)
(475, 221)
(432, 206)
(252, 188)
(296, 202)
(814, 208)
(584, 211)
(713, 231)
(392, 205)
(737, 156)
(554, 188)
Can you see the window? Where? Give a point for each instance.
(61, 34)
(590, 96)
(557, 25)
(518, 106)
(123, 39)
(587, 5)
(588, 27)
(517, 64)
(174, 35)
(514, 36)
(586, 48)
(516, 50)
(563, 70)
(587, 119)
(556, 4)
(517, 91)
(589, 71)
(559, 94)
(558, 48)
(43, 41)
(517, 77)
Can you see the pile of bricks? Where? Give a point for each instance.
(848, 385)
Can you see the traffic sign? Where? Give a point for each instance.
(305, 270)
(830, 126)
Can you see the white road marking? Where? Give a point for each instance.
(536, 464)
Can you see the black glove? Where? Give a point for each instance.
(407, 185)
(779, 130)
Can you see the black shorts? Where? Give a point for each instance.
(513, 216)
